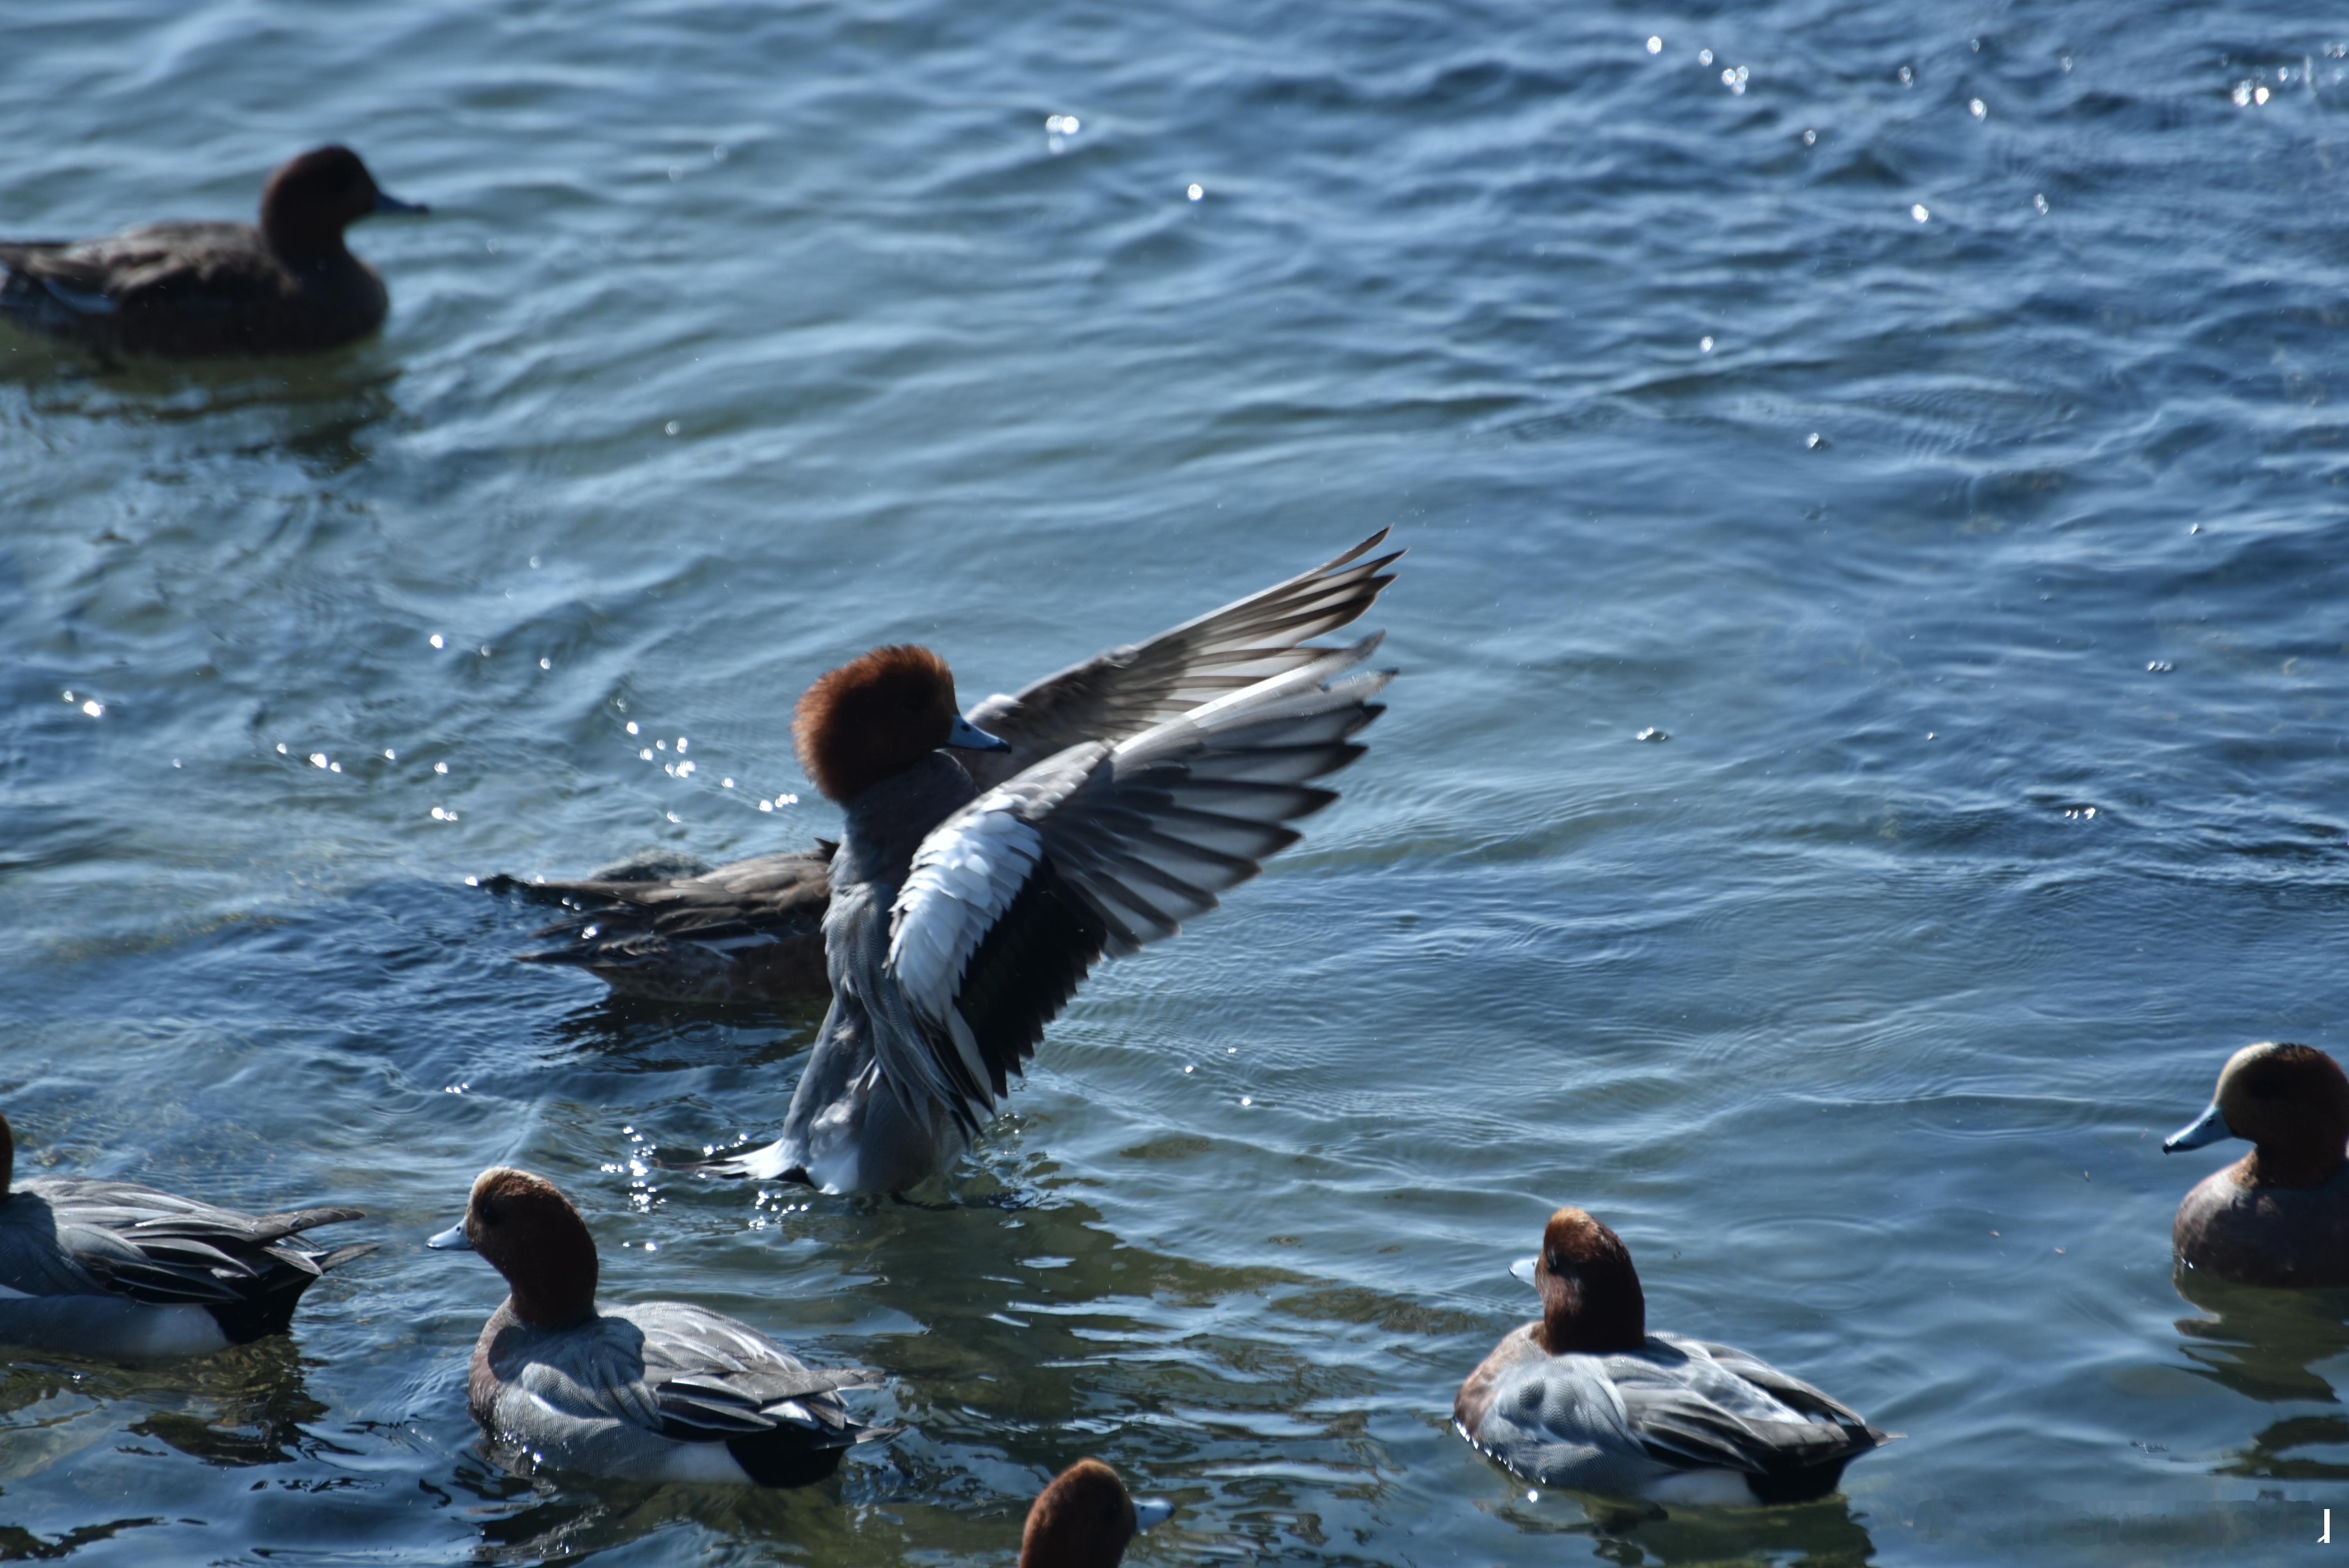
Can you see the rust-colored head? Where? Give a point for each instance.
(1590, 1294)
(874, 717)
(530, 1233)
(2292, 1102)
(308, 202)
(1083, 1519)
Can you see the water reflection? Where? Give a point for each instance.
(244, 1406)
(1826, 1532)
(316, 412)
(2265, 1345)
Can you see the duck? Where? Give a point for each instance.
(2280, 1215)
(1585, 1397)
(1085, 1518)
(205, 290)
(961, 919)
(110, 1269)
(674, 928)
(654, 1391)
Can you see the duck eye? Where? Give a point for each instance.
(488, 1211)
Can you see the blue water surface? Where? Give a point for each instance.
(1869, 742)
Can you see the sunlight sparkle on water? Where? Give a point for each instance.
(1655, 45)
(1196, 191)
(1920, 211)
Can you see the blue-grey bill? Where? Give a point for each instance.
(387, 202)
(2208, 1128)
(452, 1240)
(970, 737)
(1150, 1510)
(1524, 1268)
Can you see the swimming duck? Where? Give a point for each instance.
(116, 1270)
(2280, 1215)
(1587, 1398)
(1084, 1519)
(200, 290)
(961, 921)
(752, 931)
(655, 1390)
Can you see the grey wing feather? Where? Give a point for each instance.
(1098, 850)
(1682, 1424)
(720, 1378)
(1783, 1386)
(1127, 691)
(160, 1247)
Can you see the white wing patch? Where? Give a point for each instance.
(965, 875)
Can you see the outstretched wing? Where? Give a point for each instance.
(1099, 849)
(1121, 693)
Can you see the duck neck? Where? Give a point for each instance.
(2299, 1165)
(301, 237)
(887, 822)
(1599, 1311)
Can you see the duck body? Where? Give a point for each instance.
(207, 290)
(751, 931)
(845, 1136)
(652, 1392)
(1585, 1397)
(2234, 1227)
(961, 922)
(1676, 1421)
(128, 1272)
(754, 930)
(2280, 1215)
(662, 1391)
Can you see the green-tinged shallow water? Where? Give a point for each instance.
(2003, 792)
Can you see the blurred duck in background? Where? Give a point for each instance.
(184, 289)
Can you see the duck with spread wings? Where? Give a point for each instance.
(967, 900)
(671, 927)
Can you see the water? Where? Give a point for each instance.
(2000, 798)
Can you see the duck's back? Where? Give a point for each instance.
(1679, 1420)
(187, 290)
